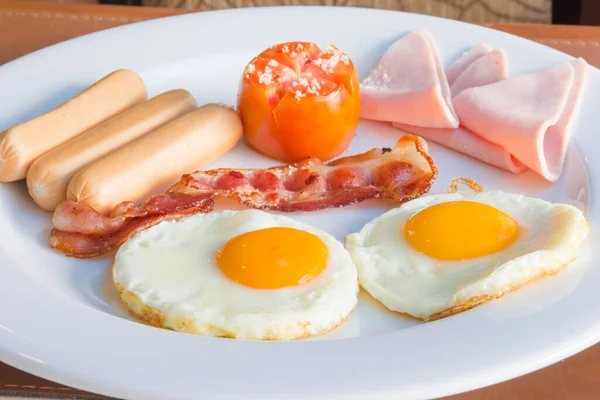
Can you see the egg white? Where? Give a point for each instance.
(168, 277)
(407, 281)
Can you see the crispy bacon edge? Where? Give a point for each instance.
(85, 233)
(308, 185)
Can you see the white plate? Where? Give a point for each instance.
(61, 319)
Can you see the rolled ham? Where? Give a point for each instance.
(466, 142)
(529, 115)
(487, 69)
(409, 85)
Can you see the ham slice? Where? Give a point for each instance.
(465, 142)
(466, 59)
(529, 115)
(487, 69)
(477, 67)
(409, 85)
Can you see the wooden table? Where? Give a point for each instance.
(28, 26)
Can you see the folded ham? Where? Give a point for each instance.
(489, 68)
(409, 85)
(528, 115)
(465, 142)
(401, 173)
(479, 66)
(466, 59)
(512, 123)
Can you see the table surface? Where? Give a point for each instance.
(26, 26)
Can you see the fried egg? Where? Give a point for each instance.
(442, 254)
(239, 274)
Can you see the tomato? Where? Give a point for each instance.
(296, 101)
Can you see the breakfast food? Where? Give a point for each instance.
(388, 87)
(442, 254)
(149, 163)
(298, 101)
(491, 67)
(23, 143)
(529, 115)
(463, 141)
(467, 58)
(49, 175)
(79, 231)
(249, 274)
(516, 123)
(402, 173)
(409, 86)
(238, 274)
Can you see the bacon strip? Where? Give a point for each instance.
(79, 231)
(401, 174)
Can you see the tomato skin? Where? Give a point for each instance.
(302, 102)
(258, 121)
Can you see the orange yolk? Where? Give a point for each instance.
(273, 258)
(459, 230)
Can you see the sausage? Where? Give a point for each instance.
(25, 142)
(49, 175)
(155, 160)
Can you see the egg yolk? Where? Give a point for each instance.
(273, 258)
(460, 230)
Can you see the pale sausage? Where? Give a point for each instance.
(25, 142)
(49, 175)
(154, 161)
